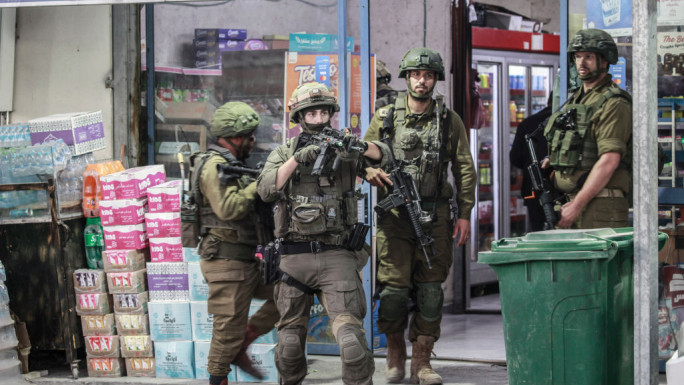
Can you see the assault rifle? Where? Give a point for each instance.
(227, 172)
(330, 141)
(405, 193)
(540, 185)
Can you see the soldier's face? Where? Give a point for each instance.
(317, 116)
(421, 81)
(586, 63)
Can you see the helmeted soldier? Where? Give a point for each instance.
(231, 230)
(315, 217)
(428, 137)
(384, 93)
(590, 139)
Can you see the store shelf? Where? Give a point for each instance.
(186, 71)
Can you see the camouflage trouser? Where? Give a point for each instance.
(604, 212)
(403, 267)
(334, 274)
(232, 285)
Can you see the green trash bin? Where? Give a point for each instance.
(567, 300)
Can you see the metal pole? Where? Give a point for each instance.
(363, 125)
(342, 62)
(563, 50)
(149, 43)
(645, 185)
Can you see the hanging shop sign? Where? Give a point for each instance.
(613, 16)
(670, 12)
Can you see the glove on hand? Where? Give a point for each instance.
(251, 190)
(307, 154)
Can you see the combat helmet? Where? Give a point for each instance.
(422, 59)
(382, 74)
(310, 95)
(234, 119)
(594, 40)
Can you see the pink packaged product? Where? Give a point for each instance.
(125, 237)
(102, 346)
(124, 260)
(93, 304)
(168, 249)
(161, 225)
(165, 198)
(123, 211)
(132, 183)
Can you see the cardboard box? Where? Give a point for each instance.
(98, 325)
(263, 358)
(220, 33)
(126, 281)
(197, 285)
(186, 112)
(168, 281)
(317, 42)
(502, 20)
(170, 321)
(102, 346)
(90, 281)
(136, 346)
(202, 361)
(93, 304)
(131, 303)
(83, 132)
(175, 359)
(124, 260)
(202, 321)
(105, 367)
(190, 254)
(132, 324)
(140, 367)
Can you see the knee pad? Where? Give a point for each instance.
(429, 298)
(289, 345)
(352, 343)
(393, 303)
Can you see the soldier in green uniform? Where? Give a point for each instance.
(590, 139)
(385, 94)
(227, 249)
(315, 216)
(427, 136)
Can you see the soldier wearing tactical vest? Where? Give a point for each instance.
(385, 94)
(590, 139)
(229, 223)
(314, 218)
(429, 137)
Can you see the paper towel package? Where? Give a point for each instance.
(131, 303)
(170, 321)
(123, 211)
(102, 346)
(98, 325)
(199, 290)
(263, 358)
(124, 260)
(202, 321)
(93, 304)
(125, 237)
(132, 183)
(190, 254)
(168, 249)
(127, 281)
(168, 281)
(165, 198)
(162, 225)
(202, 361)
(267, 338)
(105, 367)
(140, 367)
(132, 324)
(89, 281)
(136, 346)
(175, 359)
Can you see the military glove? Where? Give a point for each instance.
(307, 154)
(353, 143)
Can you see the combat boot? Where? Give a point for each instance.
(395, 369)
(421, 371)
(242, 360)
(218, 380)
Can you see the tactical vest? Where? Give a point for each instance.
(420, 146)
(571, 146)
(246, 228)
(317, 208)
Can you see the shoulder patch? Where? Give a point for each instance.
(383, 112)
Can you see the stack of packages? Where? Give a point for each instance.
(210, 43)
(167, 277)
(122, 213)
(10, 366)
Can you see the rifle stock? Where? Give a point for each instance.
(540, 185)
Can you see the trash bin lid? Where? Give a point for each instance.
(559, 244)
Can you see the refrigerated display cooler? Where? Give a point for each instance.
(513, 85)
